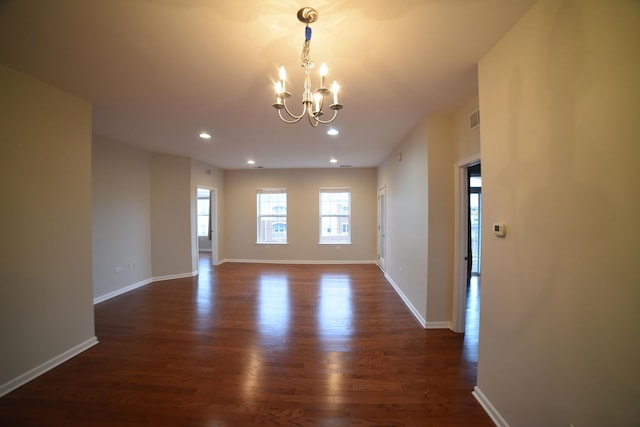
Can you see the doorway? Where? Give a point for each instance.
(206, 229)
(382, 227)
(475, 217)
(474, 214)
(467, 261)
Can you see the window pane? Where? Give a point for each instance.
(203, 206)
(272, 216)
(335, 216)
(203, 226)
(269, 203)
(334, 203)
(334, 229)
(279, 231)
(204, 193)
(474, 217)
(272, 229)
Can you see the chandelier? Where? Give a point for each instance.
(313, 102)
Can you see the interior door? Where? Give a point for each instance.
(382, 227)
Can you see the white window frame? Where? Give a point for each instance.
(278, 217)
(340, 226)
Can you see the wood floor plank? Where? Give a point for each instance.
(259, 344)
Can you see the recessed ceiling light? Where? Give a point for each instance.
(251, 162)
(333, 132)
(333, 161)
(205, 135)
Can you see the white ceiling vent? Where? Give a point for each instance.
(474, 120)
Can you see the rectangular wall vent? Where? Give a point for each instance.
(474, 119)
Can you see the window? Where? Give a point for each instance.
(475, 213)
(272, 215)
(203, 208)
(335, 216)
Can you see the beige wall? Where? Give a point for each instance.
(45, 260)
(418, 177)
(441, 160)
(467, 140)
(302, 214)
(560, 296)
(404, 175)
(171, 238)
(121, 214)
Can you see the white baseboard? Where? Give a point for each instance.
(174, 276)
(489, 408)
(46, 366)
(408, 303)
(120, 291)
(140, 284)
(298, 261)
(439, 325)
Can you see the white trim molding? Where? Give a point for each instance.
(140, 284)
(406, 301)
(174, 276)
(489, 408)
(439, 325)
(120, 291)
(298, 261)
(46, 366)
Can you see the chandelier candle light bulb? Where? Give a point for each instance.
(323, 74)
(283, 79)
(278, 93)
(312, 101)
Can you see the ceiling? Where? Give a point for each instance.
(160, 71)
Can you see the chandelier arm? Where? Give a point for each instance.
(313, 120)
(324, 122)
(296, 119)
(294, 116)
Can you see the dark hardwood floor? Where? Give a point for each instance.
(259, 344)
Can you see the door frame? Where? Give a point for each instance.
(382, 228)
(461, 236)
(213, 222)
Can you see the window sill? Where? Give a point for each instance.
(272, 243)
(333, 244)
